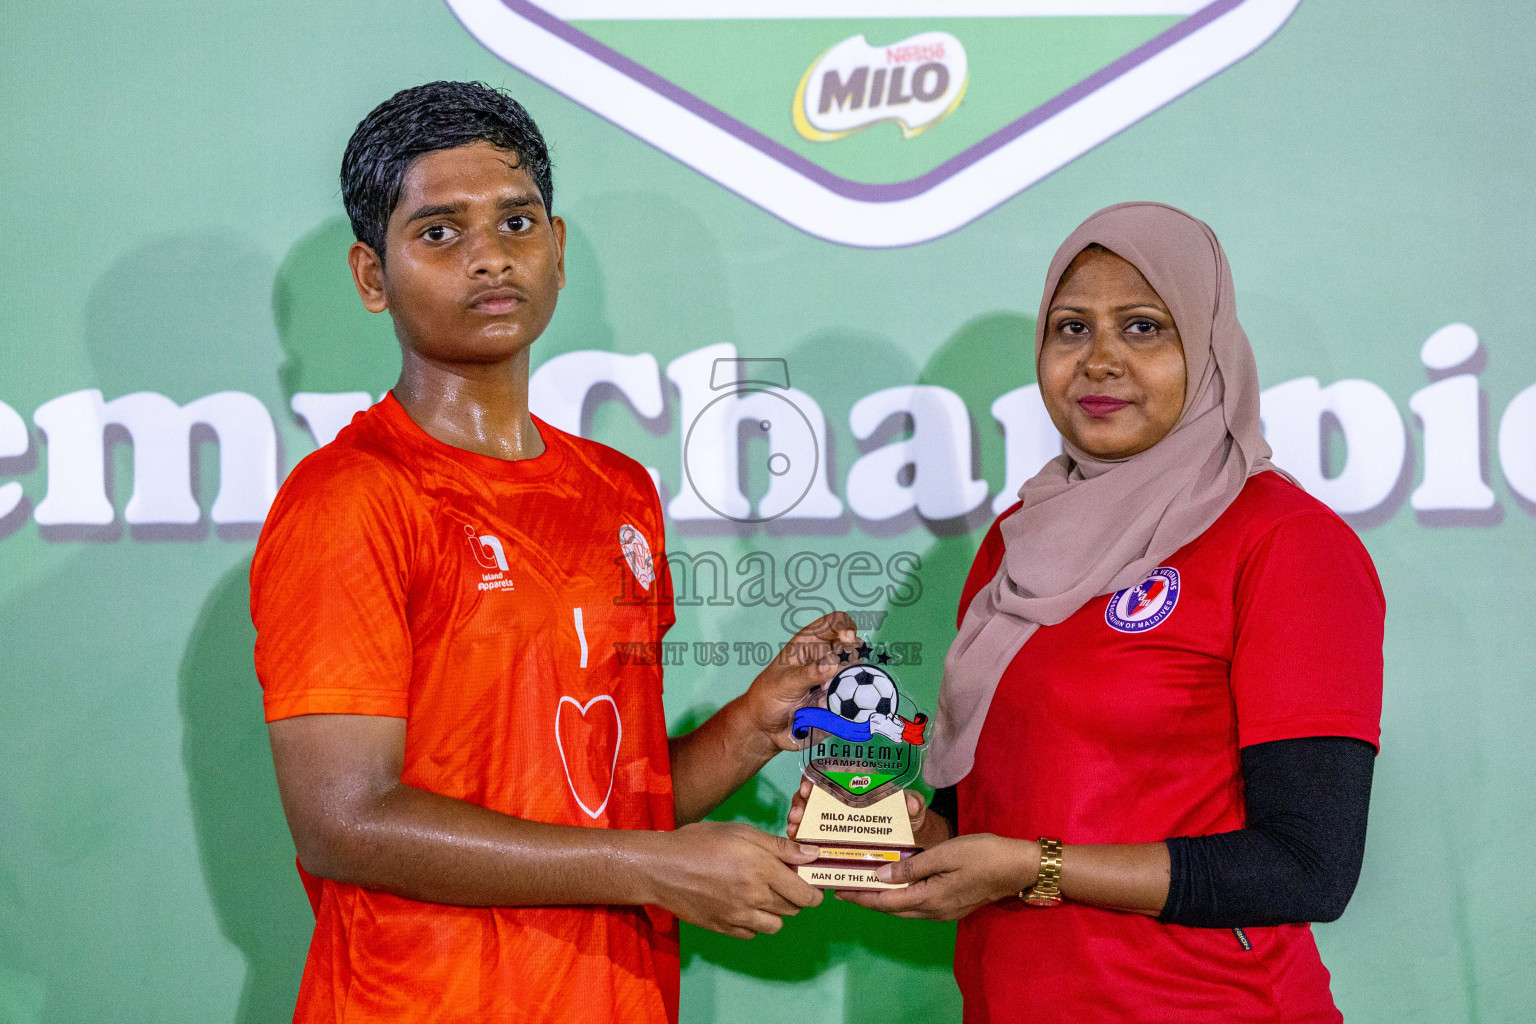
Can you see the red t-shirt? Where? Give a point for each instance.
(483, 601)
(1122, 725)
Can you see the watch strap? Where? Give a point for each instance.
(1046, 892)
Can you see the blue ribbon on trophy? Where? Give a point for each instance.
(892, 727)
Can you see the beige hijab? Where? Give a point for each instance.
(1092, 526)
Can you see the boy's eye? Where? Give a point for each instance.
(519, 223)
(437, 233)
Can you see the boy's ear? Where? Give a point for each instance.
(558, 225)
(368, 276)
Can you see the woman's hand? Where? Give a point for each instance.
(954, 878)
(927, 829)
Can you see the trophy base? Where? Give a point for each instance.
(844, 876)
(853, 867)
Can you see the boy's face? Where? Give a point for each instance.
(474, 261)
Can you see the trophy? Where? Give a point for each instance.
(860, 753)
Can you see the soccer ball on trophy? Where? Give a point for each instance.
(859, 691)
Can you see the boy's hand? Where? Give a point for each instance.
(806, 662)
(927, 829)
(731, 878)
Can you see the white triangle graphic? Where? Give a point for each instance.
(532, 35)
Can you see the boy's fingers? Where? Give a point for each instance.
(781, 904)
(797, 892)
(786, 850)
(764, 923)
(827, 632)
(915, 803)
(832, 626)
(791, 852)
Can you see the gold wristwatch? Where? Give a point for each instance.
(1046, 892)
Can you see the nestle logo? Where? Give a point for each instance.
(907, 54)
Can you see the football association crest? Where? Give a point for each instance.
(874, 122)
(1139, 608)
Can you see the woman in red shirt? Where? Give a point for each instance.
(1157, 724)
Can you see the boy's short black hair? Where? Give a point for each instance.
(423, 119)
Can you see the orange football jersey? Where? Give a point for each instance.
(487, 603)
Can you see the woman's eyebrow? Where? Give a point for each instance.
(1117, 309)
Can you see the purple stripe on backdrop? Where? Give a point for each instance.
(860, 190)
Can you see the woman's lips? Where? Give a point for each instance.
(1099, 406)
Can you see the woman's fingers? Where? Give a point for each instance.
(917, 808)
(916, 867)
(901, 902)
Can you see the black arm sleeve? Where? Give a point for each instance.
(946, 804)
(1298, 858)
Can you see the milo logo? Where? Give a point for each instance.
(915, 83)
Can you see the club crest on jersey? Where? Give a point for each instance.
(1140, 608)
(637, 552)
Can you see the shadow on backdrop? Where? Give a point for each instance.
(986, 358)
(242, 837)
(330, 342)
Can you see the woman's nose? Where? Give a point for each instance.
(1104, 360)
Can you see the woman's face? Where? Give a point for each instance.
(1112, 365)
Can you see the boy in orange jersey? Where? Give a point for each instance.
(492, 820)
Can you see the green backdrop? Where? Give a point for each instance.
(172, 223)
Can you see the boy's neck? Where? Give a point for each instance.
(479, 407)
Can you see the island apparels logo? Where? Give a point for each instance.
(874, 122)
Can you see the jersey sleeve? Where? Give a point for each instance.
(328, 595)
(1307, 657)
(988, 557)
